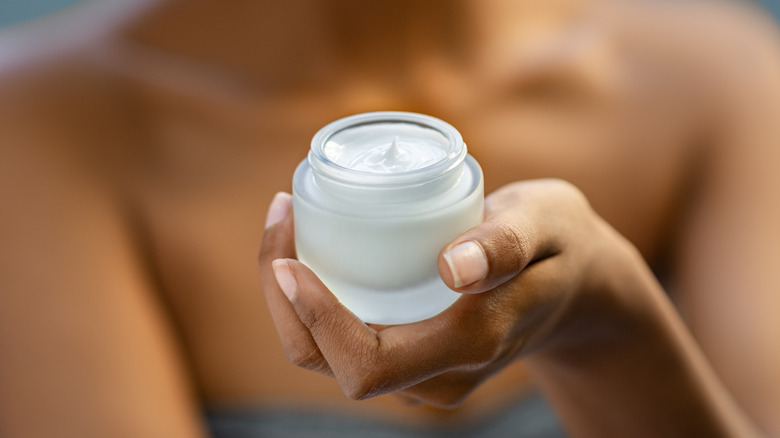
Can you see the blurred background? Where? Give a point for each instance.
(19, 11)
(14, 12)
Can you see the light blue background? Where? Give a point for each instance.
(773, 6)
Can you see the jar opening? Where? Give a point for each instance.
(386, 149)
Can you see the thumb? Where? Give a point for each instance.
(488, 255)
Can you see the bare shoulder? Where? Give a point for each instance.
(63, 133)
(56, 96)
(69, 266)
(737, 45)
(745, 40)
(59, 105)
(737, 57)
(64, 130)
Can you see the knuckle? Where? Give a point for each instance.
(303, 356)
(487, 352)
(561, 184)
(321, 316)
(365, 379)
(513, 243)
(360, 388)
(318, 317)
(514, 190)
(358, 391)
(310, 317)
(490, 343)
(569, 191)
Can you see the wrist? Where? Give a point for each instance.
(624, 356)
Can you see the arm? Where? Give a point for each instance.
(85, 346)
(728, 282)
(725, 277)
(560, 288)
(636, 371)
(582, 308)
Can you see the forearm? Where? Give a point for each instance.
(638, 374)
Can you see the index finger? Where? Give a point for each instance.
(278, 242)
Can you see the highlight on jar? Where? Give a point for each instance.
(377, 198)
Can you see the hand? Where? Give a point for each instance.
(540, 249)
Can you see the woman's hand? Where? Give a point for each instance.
(543, 278)
(540, 249)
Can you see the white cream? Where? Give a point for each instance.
(378, 197)
(385, 148)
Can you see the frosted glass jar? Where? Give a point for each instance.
(378, 197)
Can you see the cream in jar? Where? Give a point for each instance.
(378, 197)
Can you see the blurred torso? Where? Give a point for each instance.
(547, 90)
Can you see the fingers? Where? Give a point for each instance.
(347, 344)
(279, 209)
(518, 230)
(491, 253)
(367, 362)
(278, 242)
(318, 333)
(524, 225)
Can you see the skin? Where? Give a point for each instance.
(568, 294)
(138, 164)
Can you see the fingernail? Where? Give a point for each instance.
(279, 208)
(467, 262)
(285, 277)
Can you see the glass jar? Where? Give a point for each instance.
(378, 197)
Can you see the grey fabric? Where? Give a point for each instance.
(529, 417)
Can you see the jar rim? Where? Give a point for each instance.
(323, 165)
